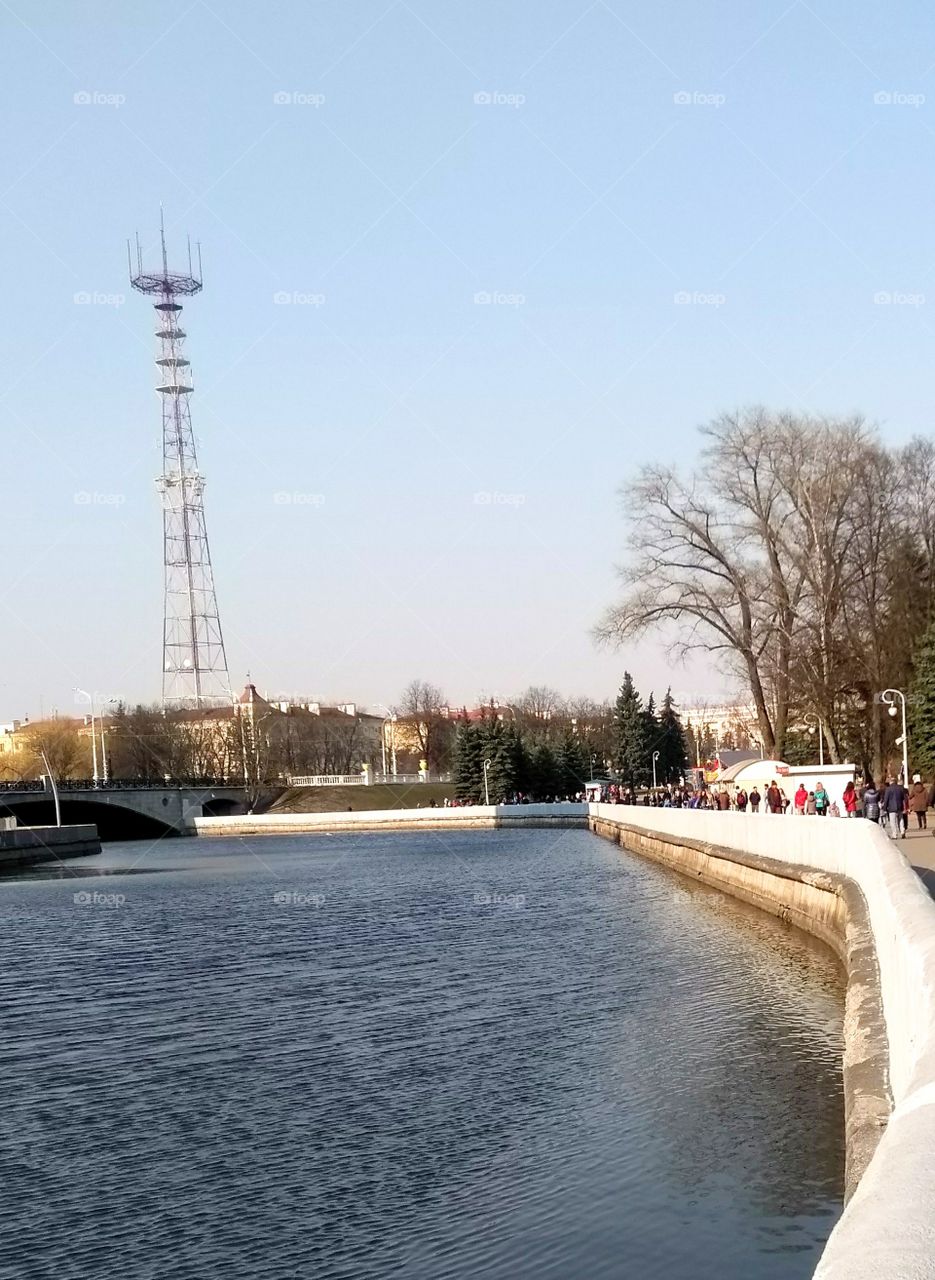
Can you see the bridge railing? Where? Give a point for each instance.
(123, 784)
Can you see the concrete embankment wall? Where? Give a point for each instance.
(23, 846)
(470, 816)
(847, 882)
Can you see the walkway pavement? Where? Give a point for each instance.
(919, 848)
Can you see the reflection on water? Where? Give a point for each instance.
(477, 1054)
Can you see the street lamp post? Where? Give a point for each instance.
(821, 736)
(888, 696)
(53, 787)
(655, 758)
(105, 769)
(593, 758)
(486, 782)
(84, 694)
(391, 720)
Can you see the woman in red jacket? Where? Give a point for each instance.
(850, 800)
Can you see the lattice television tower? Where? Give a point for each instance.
(194, 670)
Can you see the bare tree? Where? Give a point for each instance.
(421, 706)
(68, 752)
(705, 556)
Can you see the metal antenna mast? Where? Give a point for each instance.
(194, 670)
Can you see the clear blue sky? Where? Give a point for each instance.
(782, 193)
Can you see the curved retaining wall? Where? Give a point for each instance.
(847, 882)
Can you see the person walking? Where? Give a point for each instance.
(774, 798)
(822, 800)
(871, 802)
(801, 798)
(850, 799)
(919, 802)
(741, 800)
(895, 798)
(755, 801)
(810, 803)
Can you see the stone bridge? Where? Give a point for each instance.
(122, 810)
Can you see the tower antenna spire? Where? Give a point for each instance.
(194, 670)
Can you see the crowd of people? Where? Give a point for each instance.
(890, 806)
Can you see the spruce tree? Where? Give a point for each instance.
(921, 708)
(544, 782)
(571, 766)
(651, 742)
(629, 740)
(502, 753)
(673, 755)
(468, 763)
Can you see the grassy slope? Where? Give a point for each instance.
(338, 799)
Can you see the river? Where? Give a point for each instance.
(495, 1055)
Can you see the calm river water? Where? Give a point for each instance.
(509, 1055)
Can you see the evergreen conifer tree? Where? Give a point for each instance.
(544, 783)
(468, 763)
(571, 766)
(921, 709)
(651, 742)
(629, 734)
(673, 754)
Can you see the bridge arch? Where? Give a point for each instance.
(114, 821)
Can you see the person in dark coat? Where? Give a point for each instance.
(919, 802)
(871, 802)
(895, 799)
